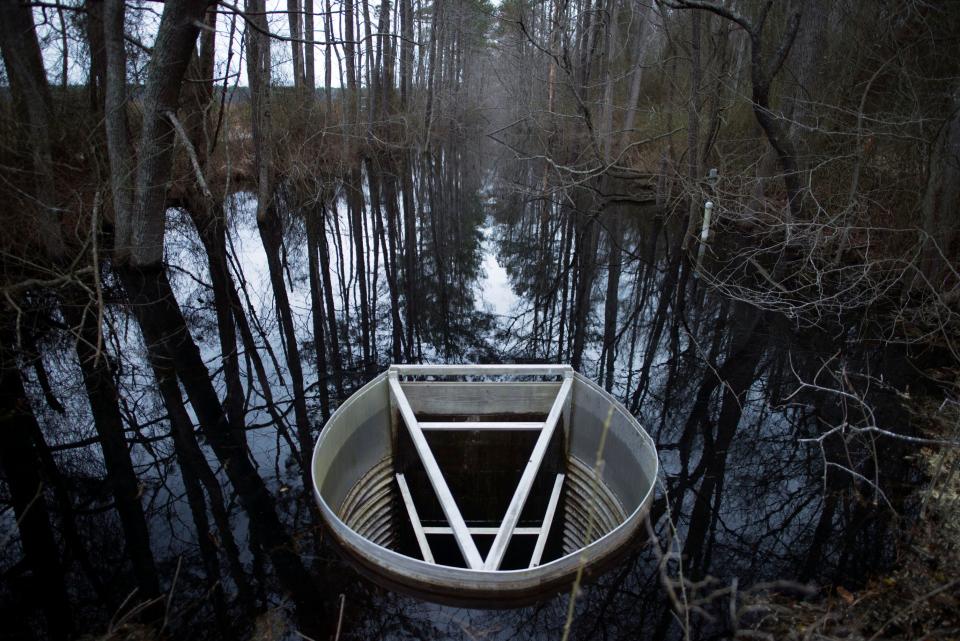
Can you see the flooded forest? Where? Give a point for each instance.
(741, 218)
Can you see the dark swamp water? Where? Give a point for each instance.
(742, 500)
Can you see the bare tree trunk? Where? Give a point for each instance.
(258, 73)
(606, 142)
(169, 340)
(587, 242)
(193, 463)
(612, 305)
(640, 49)
(355, 205)
(693, 130)
(209, 217)
(941, 199)
(97, 69)
(653, 341)
(390, 253)
(271, 234)
(389, 53)
(762, 72)
(434, 52)
(328, 62)
(309, 54)
(21, 470)
(410, 250)
(68, 521)
(269, 222)
(121, 476)
(337, 360)
(418, 79)
(181, 432)
(406, 52)
(566, 245)
(372, 88)
(762, 76)
(585, 41)
(314, 229)
(158, 314)
(172, 52)
(349, 49)
(296, 46)
(31, 95)
(720, 81)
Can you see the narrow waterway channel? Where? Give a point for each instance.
(742, 499)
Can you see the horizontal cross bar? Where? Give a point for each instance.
(481, 425)
(483, 531)
(481, 370)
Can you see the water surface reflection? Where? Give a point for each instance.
(500, 276)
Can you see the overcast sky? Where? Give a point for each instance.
(144, 17)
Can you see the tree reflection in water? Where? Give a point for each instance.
(233, 539)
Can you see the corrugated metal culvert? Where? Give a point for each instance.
(482, 485)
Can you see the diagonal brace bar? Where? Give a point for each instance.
(512, 516)
(418, 529)
(544, 533)
(460, 532)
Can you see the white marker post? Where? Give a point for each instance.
(704, 231)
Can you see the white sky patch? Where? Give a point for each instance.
(143, 21)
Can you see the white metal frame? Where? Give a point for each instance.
(463, 535)
(480, 425)
(418, 530)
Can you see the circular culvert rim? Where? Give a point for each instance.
(480, 587)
